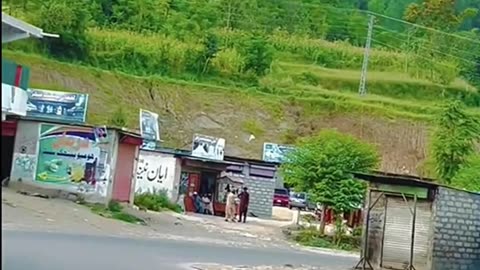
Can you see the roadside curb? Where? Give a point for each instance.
(326, 251)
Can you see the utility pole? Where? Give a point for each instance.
(362, 90)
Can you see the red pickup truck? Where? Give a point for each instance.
(281, 197)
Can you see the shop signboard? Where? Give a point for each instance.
(149, 129)
(208, 147)
(273, 152)
(56, 105)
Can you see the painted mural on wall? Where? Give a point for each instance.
(208, 147)
(56, 105)
(71, 157)
(155, 172)
(273, 152)
(24, 165)
(183, 187)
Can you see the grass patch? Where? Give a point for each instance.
(313, 238)
(156, 201)
(252, 126)
(114, 210)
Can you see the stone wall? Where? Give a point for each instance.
(261, 195)
(456, 243)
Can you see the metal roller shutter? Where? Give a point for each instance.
(398, 231)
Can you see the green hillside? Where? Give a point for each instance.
(234, 68)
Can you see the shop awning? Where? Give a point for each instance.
(233, 178)
(14, 29)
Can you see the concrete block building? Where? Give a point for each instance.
(413, 223)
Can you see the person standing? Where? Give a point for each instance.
(244, 201)
(197, 201)
(230, 207)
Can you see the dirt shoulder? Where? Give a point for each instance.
(23, 212)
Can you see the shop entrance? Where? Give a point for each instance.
(207, 182)
(7, 155)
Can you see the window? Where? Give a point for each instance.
(300, 195)
(281, 191)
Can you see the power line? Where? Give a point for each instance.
(421, 26)
(420, 39)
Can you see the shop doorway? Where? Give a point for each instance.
(7, 156)
(207, 183)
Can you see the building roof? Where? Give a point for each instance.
(399, 179)
(233, 178)
(15, 29)
(252, 161)
(403, 179)
(124, 131)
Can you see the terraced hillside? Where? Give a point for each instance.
(399, 128)
(277, 69)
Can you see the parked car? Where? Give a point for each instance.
(301, 200)
(281, 197)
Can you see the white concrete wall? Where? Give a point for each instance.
(157, 171)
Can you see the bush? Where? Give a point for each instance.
(118, 118)
(155, 201)
(313, 238)
(228, 62)
(114, 206)
(143, 54)
(258, 55)
(69, 20)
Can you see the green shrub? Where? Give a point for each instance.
(155, 201)
(114, 206)
(143, 54)
(313, 238)
(228, 62)
(118, 118)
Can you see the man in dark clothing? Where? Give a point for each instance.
(244, 201)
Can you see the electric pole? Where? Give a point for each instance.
(362, 90)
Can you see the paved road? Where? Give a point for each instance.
(55, 251)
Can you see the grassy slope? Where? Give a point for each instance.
(277, 114)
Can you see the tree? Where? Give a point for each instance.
(468, 176)
(453, 140)
(439, 14)
(210, 44)
(322, 166)
(70, 21)
(258, 54)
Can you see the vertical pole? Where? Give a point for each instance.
(367, 225)
(412, 244)
(363, 78)
(383, 230)
(298, 216)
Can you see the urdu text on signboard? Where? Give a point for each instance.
(56, 105)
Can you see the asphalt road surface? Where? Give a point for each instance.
(55, 251)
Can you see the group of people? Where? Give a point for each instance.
(203, 203)
(237, 204)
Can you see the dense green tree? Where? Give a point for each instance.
(468, 176)
(322, 166)
(453, 140)
(258, 55)
(70, 21)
